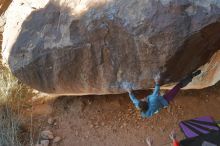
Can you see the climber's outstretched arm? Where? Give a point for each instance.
(157, 86)
(133, 99)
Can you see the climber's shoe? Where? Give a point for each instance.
(189, 78)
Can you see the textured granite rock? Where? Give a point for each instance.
(103, 46)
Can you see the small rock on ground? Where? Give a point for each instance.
(56, 139)
(47, 135)
(44, 142)
(51, 121)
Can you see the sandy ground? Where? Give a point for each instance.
(112, 120)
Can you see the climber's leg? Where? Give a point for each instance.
(172, 93)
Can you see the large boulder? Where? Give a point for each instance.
(103, 46)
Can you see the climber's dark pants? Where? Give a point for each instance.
(172, 93)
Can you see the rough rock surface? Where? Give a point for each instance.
(101, 46)
(3, 7)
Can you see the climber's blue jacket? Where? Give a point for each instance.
(155, 102)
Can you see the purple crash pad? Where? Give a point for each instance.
(195, 127)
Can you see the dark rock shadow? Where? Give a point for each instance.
(196, 51)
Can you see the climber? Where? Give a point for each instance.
(151, 104)
(172, 135)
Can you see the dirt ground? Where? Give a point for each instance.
(111, 120)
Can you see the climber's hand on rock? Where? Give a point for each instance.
(129, 90)
(157, 78)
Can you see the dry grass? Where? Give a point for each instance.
(10, 126)
(12, 99)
